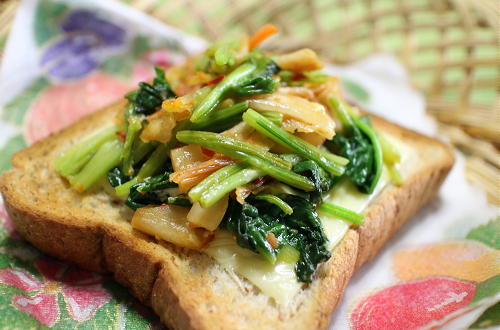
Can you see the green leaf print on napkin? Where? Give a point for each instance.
(46, 293)
(46, 25)
(489, 319)
(15, 111)
(356, 90)
(11, 146)
(488, 288)
(488, 234)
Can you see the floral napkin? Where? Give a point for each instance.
(67, 58)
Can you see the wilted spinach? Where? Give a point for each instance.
(143, 101)
(253, 221)
(151, 191)
(323, 181)
(148, 97)
(261, 82)
(361, 165)
(360, 145)
(116, 177)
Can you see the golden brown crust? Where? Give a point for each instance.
(186, 288)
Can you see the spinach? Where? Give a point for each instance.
(253, 75)
(359, 151)
(261, 82)
(147, 98)
(151, 191)
(257, 85)
(322, 180)
(116, 177)
(179, 200)
(143, 101)
(255, 220)
(358, 143)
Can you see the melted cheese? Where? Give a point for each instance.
(279, 281)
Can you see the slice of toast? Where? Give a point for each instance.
(188, 289)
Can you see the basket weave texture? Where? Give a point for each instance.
(450, 47)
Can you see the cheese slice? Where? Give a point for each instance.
(277, 281)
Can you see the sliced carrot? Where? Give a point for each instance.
(262, 34)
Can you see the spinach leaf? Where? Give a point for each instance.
(362, 148)
(116, 177)
(261, 82)
(149, 97)
(257, 85)
(253, 222)
(358, 143)
(180, 200)
(143, 101)
(359, 151)
(152, 191)
(322, 180)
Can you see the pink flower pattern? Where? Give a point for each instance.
(7, 223)
(81, 291)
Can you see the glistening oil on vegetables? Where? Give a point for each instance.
(238, 153)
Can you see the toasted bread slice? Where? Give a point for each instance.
(188, 289)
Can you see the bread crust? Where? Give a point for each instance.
(188, 289)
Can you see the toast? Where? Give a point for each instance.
(186, 288)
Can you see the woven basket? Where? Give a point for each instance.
(450, 48)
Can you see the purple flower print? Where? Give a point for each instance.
(86, 37)
(86, 20)
(70, 57)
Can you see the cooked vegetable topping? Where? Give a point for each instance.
(106, 158)
(149, 97)
(391, 158)
(330, 162)
(342, 213)
(308, 116)
(360, 145)
(262, 34)
(226, 145)
(134, 127)
(169, 222)
(287, 209)
(71, 161)
(215, 96)
(252, 77)
(323, 181)
(242, 177)
(222, 119)
(245, 145)
(254, 220)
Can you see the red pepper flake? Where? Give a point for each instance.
(216, 80)
(298, 76)
(121, 135)
(207, 152)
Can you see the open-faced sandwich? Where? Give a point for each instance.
(238, 190)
